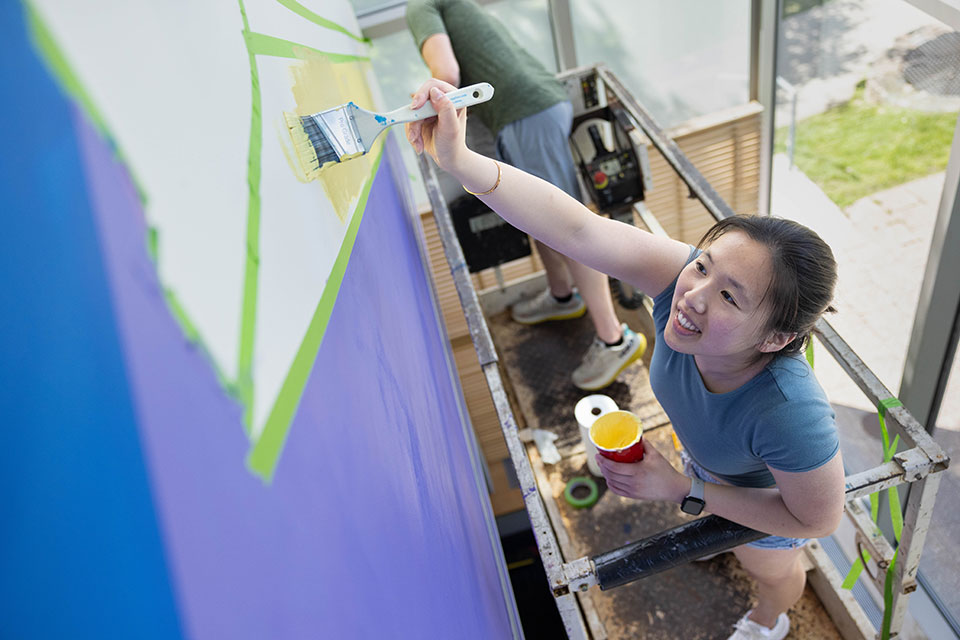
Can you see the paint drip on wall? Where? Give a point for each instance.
(319, 84)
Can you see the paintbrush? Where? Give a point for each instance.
(347, 131)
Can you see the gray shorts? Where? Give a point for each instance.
(691, 468)
(538, 144)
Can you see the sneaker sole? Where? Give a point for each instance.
(636, 356)
(563, 316)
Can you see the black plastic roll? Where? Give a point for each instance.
(670, 548)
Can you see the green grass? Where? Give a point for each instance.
(857, 148)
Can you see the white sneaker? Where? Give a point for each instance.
(747, 629)
(602, 363)
(544, 306)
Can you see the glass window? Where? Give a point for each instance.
(680, 59)
(363, 6)
(875, 115)
(529, 24)
(400, 69)
(876, 100)
(938, 563)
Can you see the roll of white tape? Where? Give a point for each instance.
(588, 409)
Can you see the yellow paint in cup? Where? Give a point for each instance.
(618, 435)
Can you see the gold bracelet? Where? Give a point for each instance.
(491, 189)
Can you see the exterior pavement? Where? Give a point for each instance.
(881, 244)
(829, 48)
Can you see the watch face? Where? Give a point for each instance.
(692, 505)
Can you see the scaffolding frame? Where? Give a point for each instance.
(918, 467)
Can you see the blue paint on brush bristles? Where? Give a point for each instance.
(347, 131)
(321, 145)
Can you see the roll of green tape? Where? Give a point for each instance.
(593, 493)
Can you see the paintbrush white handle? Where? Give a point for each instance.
(463, 97)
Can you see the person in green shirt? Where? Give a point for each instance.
(530, 118)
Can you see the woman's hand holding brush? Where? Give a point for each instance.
(444, 138)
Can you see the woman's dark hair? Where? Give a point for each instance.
(803, 269)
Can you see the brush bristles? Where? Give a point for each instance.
(322, 148)
(310, 145)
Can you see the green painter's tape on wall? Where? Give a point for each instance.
(63, 72)
(260, 44)
(153, 244)
(248, 312)
(303, 12)
(264, 45)
(189, 330)
(266, 452)
(68, 80)
(44, 42)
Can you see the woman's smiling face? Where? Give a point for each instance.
(718, 308)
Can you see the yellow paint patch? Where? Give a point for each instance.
(319, 84)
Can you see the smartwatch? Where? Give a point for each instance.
(694, 503)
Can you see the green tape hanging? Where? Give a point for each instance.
(303, 12)
(889, 403)
(855, 571)
(893, 496)
(896, 520)
(888, 598)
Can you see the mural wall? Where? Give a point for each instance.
(229, 409)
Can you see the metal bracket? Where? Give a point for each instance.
(915, 464)
(578, 575)
(869, 535)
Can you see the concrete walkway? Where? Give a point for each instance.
(881, 243)
(828, 49)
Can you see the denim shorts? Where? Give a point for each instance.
(691, 468)
(539, 144)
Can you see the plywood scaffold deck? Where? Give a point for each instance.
(699, 600)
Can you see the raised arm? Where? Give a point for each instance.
(437, 52)
(547, 213)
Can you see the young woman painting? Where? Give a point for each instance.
(732, 317)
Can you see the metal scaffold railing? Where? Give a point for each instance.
(917, 466)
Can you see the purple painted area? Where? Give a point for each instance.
(373, 526)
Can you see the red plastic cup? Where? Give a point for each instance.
(618, 435)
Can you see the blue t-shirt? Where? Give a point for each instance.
(781, 417)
